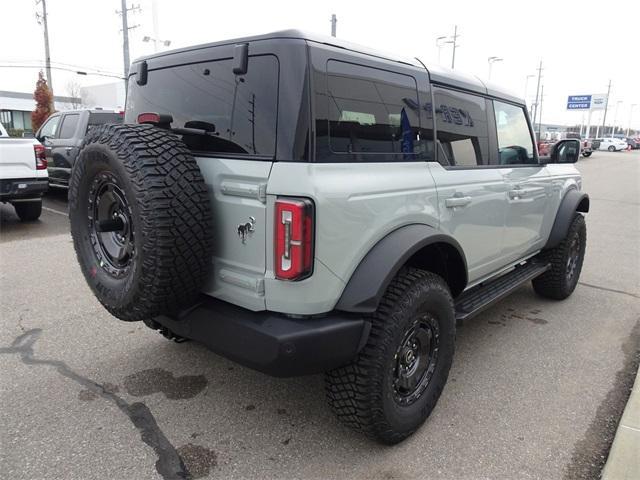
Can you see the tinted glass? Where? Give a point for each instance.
(366, 114)
(69, 124)
(515, 146)
(461, 122)
(239, 111)
(50, 128)
(103, 118)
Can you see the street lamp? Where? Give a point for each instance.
(615, 118)
(630, 115)
(439, 44)
(491, 61)
(156, 41)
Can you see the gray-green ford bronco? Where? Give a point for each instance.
(302, 205)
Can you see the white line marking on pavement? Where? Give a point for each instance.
(631, 428)
(54, 211)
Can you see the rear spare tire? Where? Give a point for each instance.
(140, 220)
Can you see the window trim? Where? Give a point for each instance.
(51, 117)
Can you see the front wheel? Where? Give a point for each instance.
(612, 148)
(566, 263)
(28, 211)
(586, 154)
(394, 384)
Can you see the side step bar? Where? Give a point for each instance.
(476, 299)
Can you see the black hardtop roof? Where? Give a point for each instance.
(438, 74)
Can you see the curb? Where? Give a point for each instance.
(624, 458)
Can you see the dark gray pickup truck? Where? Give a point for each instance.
(62, 135)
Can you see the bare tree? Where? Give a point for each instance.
(73, 91)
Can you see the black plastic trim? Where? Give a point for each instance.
(566, 211)
(34, 188)
(376, 270)
(270, 342)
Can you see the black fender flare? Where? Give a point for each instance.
(573, 201)
(372, 276)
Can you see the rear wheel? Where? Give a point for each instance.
(612, 148)
(394, 384)
(28, 211)
(140, 220)
(566, 263)
(586, 154)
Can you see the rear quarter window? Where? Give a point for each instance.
(102, 119)
(240, 110)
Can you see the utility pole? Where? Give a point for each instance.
(125, 39)
(540, 119)
(43, 20)
(606, 106)
(535, 105)
(334, 21)
(455, 44)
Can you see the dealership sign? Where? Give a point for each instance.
(586, 102)
(579, 102)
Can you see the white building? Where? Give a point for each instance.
(109, 96)
(16, 108)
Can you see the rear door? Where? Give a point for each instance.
(471, 192)
(528, 182)
(240, 112)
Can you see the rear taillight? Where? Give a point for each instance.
(41, 157)
(294, 238)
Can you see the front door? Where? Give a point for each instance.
(528, 182)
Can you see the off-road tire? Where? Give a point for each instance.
(556, 283)
(361, 394)
(170, 220)
(28, 211)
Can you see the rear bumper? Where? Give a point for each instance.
(22, 188)
(270, 342)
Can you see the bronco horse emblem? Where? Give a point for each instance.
(245, 229)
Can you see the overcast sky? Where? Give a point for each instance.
(581, 47)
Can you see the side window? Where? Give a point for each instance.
(366, 114)
(69, 124)
(50, 128)
(515, 146)
(461, 122)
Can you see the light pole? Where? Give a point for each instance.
(455, 44)
(526, 89)
(439, 44)
(630, 115)
(615, 118)
(491, 61)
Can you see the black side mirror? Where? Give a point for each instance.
(565, 151)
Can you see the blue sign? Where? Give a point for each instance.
(579, 102)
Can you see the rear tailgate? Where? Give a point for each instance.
(17, 159)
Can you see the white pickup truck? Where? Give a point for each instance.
(23, 175)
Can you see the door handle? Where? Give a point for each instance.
(457, 202)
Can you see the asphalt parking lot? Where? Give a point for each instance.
(536, 389)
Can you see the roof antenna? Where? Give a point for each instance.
(423, 65)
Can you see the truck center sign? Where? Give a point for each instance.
(586, 102)
(579, 102)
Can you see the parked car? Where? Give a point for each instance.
(634, 143)
(300, 205)
(23, 175)
(62, 135)
(612, 144)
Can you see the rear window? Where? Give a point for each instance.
(240, 110)
(103, 118)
